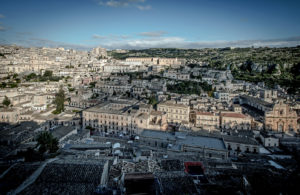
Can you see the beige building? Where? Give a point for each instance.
(145, 60)
(268, 95)
(232, 120)
(207, 120)
(120, 117)
(172, 74)
(154, 120)
(40, 100)
(156, 61)
(9, 115)
(237, 108)
(99, 52)
(176, 113)
(157, 120)
(113, 68)
(111, 87)
(281, 118)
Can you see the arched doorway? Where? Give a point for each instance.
(280, 127)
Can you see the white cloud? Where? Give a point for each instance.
(154, 42)
(153, 34)
(125, 3)
(95, 36)
(178, 42)
(113, 3)
(2, 28)
(146, 7)
(41, 42)
(126, 42)
(109, 37)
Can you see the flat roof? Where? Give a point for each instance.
(203, 141)
(141, 176)
(158, 134)
(242, 140)
(62, 131)
(189, 140)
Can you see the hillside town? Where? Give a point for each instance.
(143, 124)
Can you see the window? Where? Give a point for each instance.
(229, 147)
(254, 150)
(280, 127)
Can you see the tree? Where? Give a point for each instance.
(211, 93)
(295, 70)
(53, 145)
(92, 84)
(152, 100)
(13, 85)
(59, 100)
(15, 75)
(18, 80)
(31, 155)
(48, 73)
(3, 85)
(30, 76)
(169, 97)
(47, 142)
(6, 101)
(43, 139)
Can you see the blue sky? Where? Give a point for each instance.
(150, 23)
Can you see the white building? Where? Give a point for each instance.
(269, 140)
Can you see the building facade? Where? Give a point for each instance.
(281, 118)
(120, 117)
(176, 113)
(231, 120)
(207, 120)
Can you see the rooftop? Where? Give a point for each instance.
(158, 134)
(166, 103)
(205, 113)
(257, 100)
(156, 112)
(62, 131)
(237, 139)
(203, 142)
(233, 115)
(188, 140)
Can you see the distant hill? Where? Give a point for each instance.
(271, 65)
